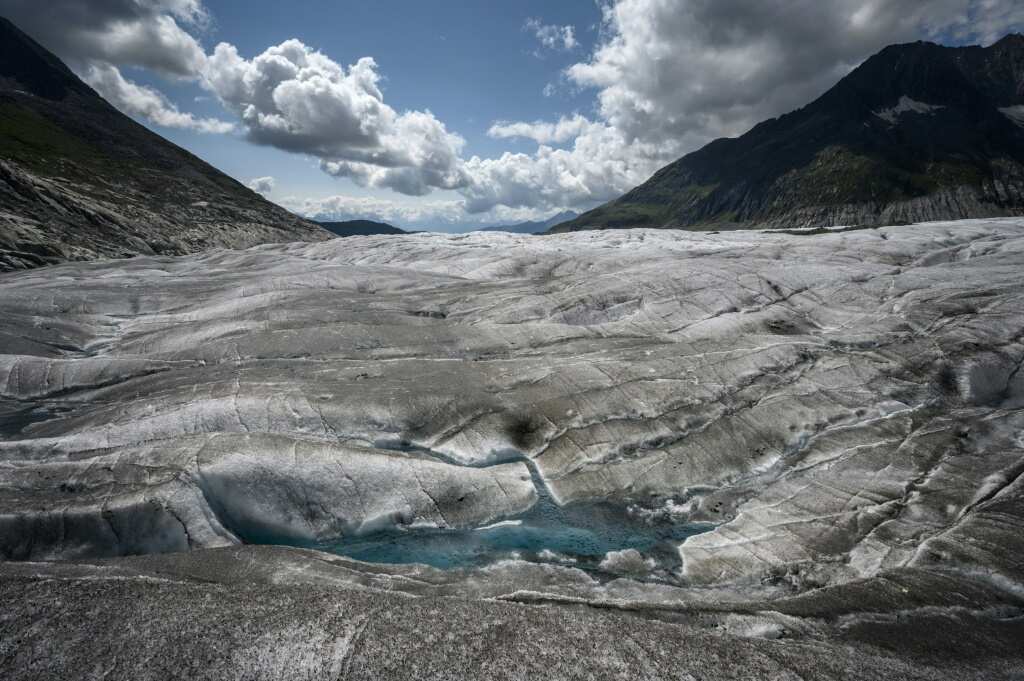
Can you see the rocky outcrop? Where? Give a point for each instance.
(45, 220)
(265, 613)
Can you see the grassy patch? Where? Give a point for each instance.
(35, 142)
(632, 215)
(840, 176)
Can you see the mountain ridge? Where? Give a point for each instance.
(917, 132)
(79, 180)
(345, 228)
(534, 226)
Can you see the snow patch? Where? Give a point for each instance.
(906, 105)
(1014, 113)
(549, 556)
(503, 523)
(627, 562)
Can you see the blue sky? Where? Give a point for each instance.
(450, 115)
(472, 64)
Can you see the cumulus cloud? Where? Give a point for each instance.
(686, 72)
(262, 185)
(145, 33)
(440, 214)
(667, 77)
(551, 36)
(295, 98)
(97, 39)
(543, 133)
(598, 166)
(670, 76)
(139, 100)
(986, 21)
(371, 208)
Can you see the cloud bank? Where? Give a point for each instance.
(146, 102)
(97, 39)
(687, 72)
(667, 76)
(145, 33)
(297, 99)
(671, 75)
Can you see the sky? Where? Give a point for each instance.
(451, 114)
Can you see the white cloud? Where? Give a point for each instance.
(668, 76)
(297, 99)
(139, 100)
(551, 36)
(145, 33)
(671, 76)
(262, 185)
(543, 133)
(96, 39)
(371, 208)
(684, 73)
(599, 166)
(444, 215)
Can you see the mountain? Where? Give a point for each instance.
(80, 180)
(360, 228)
(535, 227)
(917, 132)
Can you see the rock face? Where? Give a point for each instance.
(918, 132)
(79, 180)
(261, 613)
(841, 412)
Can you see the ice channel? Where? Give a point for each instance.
(581, 534)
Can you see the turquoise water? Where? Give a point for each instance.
(582, 532)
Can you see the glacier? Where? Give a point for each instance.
(812, 440)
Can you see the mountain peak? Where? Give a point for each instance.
(917, 132)
(80, 180)
(344, 228)
(1011, 40)
(535, 226)
(28, 67)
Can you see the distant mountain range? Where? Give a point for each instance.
(80, 180)
(536, 227)
(917, 132)
(360, 228)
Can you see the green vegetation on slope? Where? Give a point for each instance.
(35, 142)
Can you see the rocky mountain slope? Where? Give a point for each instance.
(79, 180)
(831, 421)
(917, 132)
(359, 228)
